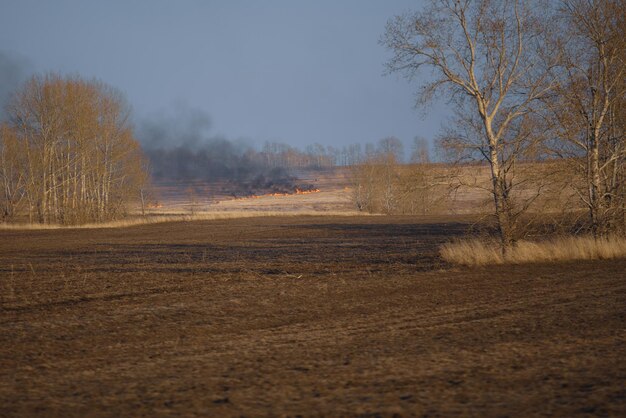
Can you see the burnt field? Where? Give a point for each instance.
(287, 316)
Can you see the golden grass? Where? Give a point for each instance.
(478, 252)
(176, 217)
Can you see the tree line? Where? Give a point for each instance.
(67, 153)
(277, 154)
(530, 80)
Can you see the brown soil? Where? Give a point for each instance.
(300, 316)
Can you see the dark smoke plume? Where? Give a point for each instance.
(180, 147)
(180, 126)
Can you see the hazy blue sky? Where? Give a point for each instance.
(291, 71)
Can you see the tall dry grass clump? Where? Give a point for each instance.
(479, 252)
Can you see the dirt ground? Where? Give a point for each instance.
(311, 316)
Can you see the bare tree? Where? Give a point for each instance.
(588, 107)
(489, 58)
(364, 183)
(11, 174)
(381, 184)
(80, 161)
(420, 153)
(392, 148)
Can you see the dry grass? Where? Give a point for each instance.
(483, 252)
(176, 217)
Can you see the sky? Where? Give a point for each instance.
(297, 72)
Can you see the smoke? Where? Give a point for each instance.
(180, 146)
(14, 69)
(180, 126)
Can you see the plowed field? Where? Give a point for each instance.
(321, 316)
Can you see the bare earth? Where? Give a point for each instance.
(312, 316)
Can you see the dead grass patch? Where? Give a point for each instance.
(478, 252)
(177, 217)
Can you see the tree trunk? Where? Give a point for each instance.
(502, 205)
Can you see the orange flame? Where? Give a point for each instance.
(299, 191)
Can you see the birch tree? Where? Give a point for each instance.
(79, 159)
(588, 106)
(489, 59)
(11, 174)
